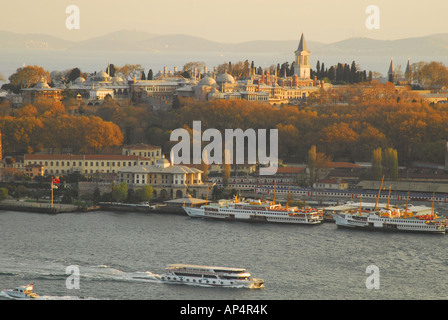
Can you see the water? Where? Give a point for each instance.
(119, 253)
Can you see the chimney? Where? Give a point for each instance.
(205, 69)
(295, 81)
(164, 71)
(175, 70)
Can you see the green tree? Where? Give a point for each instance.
(377, 167)
(145, 194)
(120, 192)
(3, 194)
(390, 164)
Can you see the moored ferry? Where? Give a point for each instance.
(210, 276)
(391, 220)
(257, 210)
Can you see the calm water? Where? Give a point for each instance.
(117, 253)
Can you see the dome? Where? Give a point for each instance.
(207, 81)
(102, 76)
(42, 84)
(117, 79)
(163, 163)
(79, 80)
(225, 78)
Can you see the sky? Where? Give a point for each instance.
(231, 21)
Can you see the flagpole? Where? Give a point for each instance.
(51, 191)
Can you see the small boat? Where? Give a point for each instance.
(210, 276)
(23, 292)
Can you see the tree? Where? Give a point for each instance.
(316, 162)
(390, 164)
(377, 167)
(150, 75)
(226, 174)
(145, 194)
(74, 74)
(120, 192)
(3, 194)
(96, 195)
(29, 76)
(129, 71)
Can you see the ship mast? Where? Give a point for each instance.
(379, 191)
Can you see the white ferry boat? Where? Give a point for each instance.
(210, 276)
(23, 292)
(392, 220)
(256, 210)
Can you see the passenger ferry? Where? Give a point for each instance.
(23, 292)
(391, 220)
(210, 276)
(257, 210)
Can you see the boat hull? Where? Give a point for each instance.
(199, 281)
(201, 213)
(343, 221)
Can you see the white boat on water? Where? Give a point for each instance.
(210, 276)
(23, 292)
(391, 220)
(256, 210)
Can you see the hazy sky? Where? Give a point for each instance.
(229, 20)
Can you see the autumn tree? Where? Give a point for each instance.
(129, 71)
(316, 162)
(29, 76)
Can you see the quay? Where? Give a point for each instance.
(39, 207)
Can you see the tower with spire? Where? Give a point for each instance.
(408, 72)
(391, 72)
(302, 67)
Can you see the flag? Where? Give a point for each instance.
(57, 181)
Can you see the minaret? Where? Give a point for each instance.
(408, 72)
(391, 72)
(302, 67)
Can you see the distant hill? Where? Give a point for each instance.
(133, 40)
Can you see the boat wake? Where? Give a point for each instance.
(3, 294)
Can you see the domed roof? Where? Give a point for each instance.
(102, 76)
(79, 80)
(117, 79)
(42, 84)
(207, 81)
(225, 78)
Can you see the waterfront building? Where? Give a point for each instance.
(61, 164)
(168, 181)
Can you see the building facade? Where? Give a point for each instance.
(168, 181)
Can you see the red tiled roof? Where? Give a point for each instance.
(82, 157)
(141, 146)
(285, 170)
